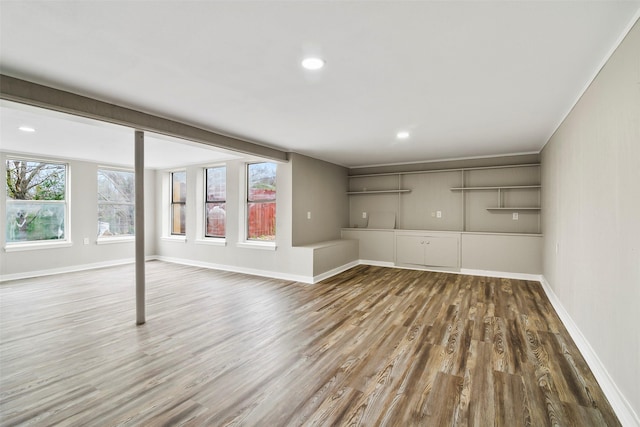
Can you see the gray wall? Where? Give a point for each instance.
(83, 213)
(320, 188)
(591, 215)
(460, 211)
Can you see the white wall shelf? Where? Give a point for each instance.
(351, 193)
(460, 199)
(500, 187)
(514, 209)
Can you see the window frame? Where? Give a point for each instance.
(248, 201)
(120, 237)
(172, 203)
(214, 201)
(66, 202)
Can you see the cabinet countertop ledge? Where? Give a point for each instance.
(402, 230)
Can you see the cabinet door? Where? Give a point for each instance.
(410, 250)
(441, 251)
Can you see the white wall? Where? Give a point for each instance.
(321, 188)
(591, 216)
(83, 223)
(286, 261)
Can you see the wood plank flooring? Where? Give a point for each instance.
(371, 346)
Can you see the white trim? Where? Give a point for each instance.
(448, 159)
(376, 263)
(212, 241)
(70, 269)
(501, 274)
(37, 245)
(465, 271)
(115, 239)
(236, 269)
(175, 239)
(115, 168)
(320, 277)
(265, 246)
(619, 403)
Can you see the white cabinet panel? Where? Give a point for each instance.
(375, 245)
(508, 253)
(410, 250)
(441, 251)
(428, 249)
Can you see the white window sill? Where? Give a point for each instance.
(110, 240)
(176, 239)
(265, 246)
(213, 241)
(32, 246)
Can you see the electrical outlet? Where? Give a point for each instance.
(515, 216)
(86, 240)
(309, 215)
(438, 214)
(364, 215)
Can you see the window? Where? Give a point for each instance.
(215, 201)
(36, 201)
(178, 202)
(116, 198)
(261, 201)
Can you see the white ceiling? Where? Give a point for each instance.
(467, 79)
(76, 138)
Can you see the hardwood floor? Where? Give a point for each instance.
(371, 346)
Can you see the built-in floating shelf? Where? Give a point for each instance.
(501, 187)
(379, 191)
(514, 209)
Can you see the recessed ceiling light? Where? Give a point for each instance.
(26, 129)
(313, 63)
(402, 135)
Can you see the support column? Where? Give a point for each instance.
(139, 207)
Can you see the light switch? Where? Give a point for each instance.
(515, 216)
(364, 214)
(86, 240)
(309, 215)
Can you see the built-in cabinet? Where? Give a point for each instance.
(428, 249)
(463, 251)
(478, 218)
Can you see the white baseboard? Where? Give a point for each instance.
(334, 271)
(620, 405)
(466, 271)
(236, 269)
(376, 263)
(501, 274)
(69, 269)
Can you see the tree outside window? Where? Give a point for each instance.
(261, 201)
(36, 201)
(215, 204)
(116, 200)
